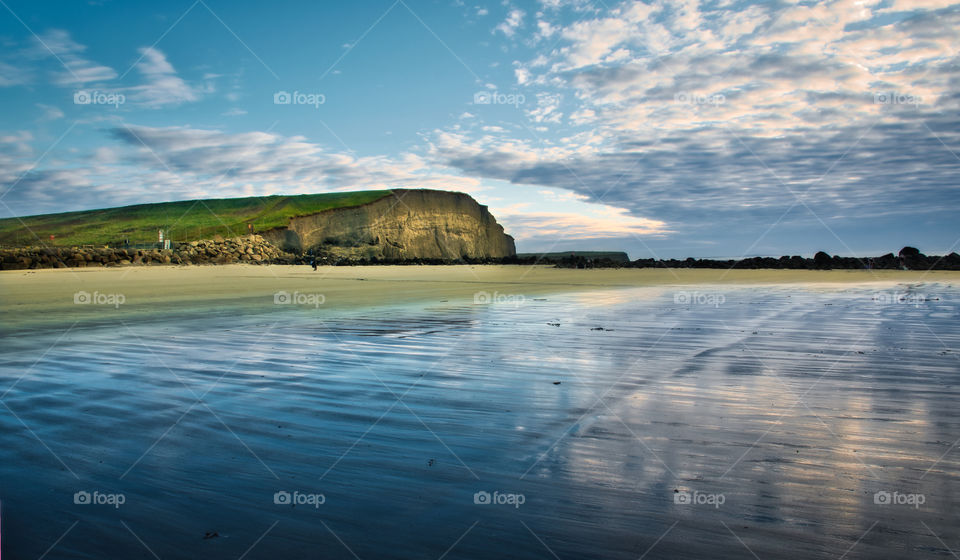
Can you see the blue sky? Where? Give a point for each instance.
(668, 129)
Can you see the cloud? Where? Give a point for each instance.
(711, 115)
(77, 70)
(163, 86)
(688, 118)
(13, 75)
(513, 22)
(154, 164)
(559, 226)
(50, 113)
(16, 154)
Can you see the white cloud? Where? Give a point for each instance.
(163, 86)
(522, 75)
(50, 113)
(545, 29)
(604, 223)
(910, 5)
(13, 75)
(153, 164)
(513, 22)
(76, 69)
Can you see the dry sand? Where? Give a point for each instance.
(43, 296)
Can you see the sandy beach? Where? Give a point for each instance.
(761, 409)
(69, 295)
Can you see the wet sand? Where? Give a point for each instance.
(806, 420)
(41, 297)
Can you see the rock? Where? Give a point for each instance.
(821, 260)
(409, 224)
(912, 259)
(909, 252)
(250, 249)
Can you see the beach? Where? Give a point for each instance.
(470, 412)
(50, 296)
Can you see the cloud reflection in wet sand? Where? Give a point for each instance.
(786, 421)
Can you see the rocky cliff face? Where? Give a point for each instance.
(409, 224)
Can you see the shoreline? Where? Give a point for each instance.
(51, 296)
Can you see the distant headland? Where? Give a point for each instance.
(398, 226)
(908, 258)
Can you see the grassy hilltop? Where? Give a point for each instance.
(186, 220)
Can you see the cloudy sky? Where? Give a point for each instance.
(663, 128)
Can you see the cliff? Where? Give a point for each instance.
(407, 224)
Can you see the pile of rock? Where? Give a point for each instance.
(251, 249)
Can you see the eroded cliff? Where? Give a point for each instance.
(408, 224)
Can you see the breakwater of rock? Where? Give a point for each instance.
(252, 249)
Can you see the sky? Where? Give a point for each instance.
(666, 129)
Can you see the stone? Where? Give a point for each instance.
(410, 224)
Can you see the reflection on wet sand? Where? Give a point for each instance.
(782, 422)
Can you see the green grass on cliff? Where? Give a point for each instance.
(183, 221)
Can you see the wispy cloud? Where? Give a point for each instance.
(561, 226)
(162, 85)
(77, 70)
(152, 164)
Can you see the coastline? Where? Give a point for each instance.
(49, 296)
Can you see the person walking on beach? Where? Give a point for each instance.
(313, 260)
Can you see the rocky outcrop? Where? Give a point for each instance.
(252, 249)
(409, 224)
